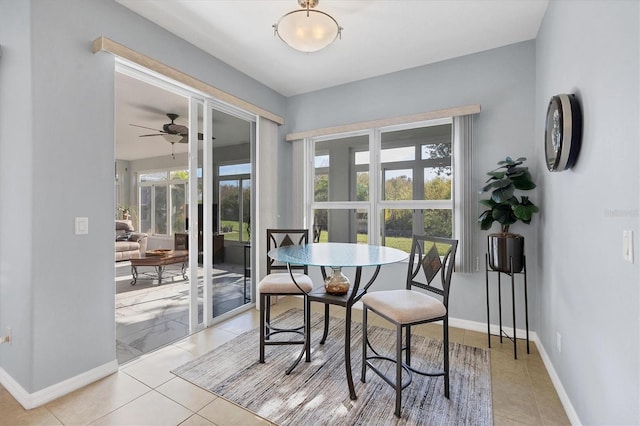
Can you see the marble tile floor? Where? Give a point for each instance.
(144, 392)
(149, 316)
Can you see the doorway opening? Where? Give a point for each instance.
(161, 175)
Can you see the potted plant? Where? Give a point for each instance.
(124, 212)
(506, 208)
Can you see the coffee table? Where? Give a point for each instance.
(159, 262)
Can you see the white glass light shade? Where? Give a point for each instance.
(172, 138)
(307, 30)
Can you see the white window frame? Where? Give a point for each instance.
(241, 177)
(463, 201)
(376, 203)
(165, 183)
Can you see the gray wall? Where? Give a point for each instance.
(587, 292)
(16, 189)
(57, 110)
(502, 81)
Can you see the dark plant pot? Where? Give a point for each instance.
(502, 248)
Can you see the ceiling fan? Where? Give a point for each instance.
(171, 132)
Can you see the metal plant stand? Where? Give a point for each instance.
(513, 302)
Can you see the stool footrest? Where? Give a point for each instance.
(286, 342)
(384, 377)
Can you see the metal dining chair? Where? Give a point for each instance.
(278, 282)
(409, 307)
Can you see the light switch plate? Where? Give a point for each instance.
(82, 225)
(627, 246)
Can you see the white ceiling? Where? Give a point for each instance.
(379, 36)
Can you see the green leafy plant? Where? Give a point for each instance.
(504, 206)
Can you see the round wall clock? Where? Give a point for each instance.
(563, 132)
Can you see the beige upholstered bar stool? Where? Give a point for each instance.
(279, 282)
(409, 307)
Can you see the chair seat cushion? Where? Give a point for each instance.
(280, 283)
(404, 306)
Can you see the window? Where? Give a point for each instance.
(163, 201)
(384, 185)
(416, 191)
(341, 189)
(234, 195)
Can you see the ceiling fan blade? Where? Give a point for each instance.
(148, 128)
(155, 134)
(185, 138)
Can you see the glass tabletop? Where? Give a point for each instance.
(337, 254)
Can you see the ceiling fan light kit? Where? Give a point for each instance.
(175, 138)
(307, 30)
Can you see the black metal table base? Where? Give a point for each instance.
(346, 301)
(502, 333)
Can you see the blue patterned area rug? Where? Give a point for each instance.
(316, 393)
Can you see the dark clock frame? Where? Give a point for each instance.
(563, 132)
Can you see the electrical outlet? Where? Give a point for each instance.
(559, 341)
(477, 263)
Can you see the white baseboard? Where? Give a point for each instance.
(555, 379)
(533, 336)
(41, 397)
(495, 329)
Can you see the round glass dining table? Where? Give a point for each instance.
(336, 256)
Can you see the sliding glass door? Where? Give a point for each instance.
(191, 190)
(221, 209)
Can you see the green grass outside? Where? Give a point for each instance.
(400, 243)
(233, 235)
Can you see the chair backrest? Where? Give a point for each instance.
(434, 256)
(285, 237)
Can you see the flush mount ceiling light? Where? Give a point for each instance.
(306, 29)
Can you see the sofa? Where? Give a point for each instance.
(129, 244)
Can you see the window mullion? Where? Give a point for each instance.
(309, 173)
(375, 186)
(417, 204)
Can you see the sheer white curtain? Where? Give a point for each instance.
(266, 196)
(464, 208)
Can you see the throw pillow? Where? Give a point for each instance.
(124, 225)
(124, 237)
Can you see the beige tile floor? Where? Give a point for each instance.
(144, 392)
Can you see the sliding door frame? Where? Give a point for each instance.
(208, 104)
